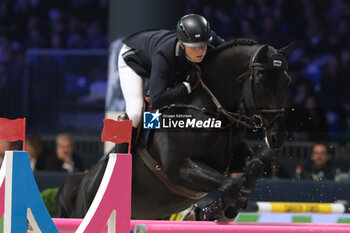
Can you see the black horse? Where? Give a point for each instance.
(186, 164)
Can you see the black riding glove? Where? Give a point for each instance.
(192, 77)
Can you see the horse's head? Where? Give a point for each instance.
(264, 90)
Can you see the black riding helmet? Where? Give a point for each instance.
(193, 30)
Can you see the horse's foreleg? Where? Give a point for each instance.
(243, 160)
(255, 169)
(208, 208)
(201, 177)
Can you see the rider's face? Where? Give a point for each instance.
(195, 54)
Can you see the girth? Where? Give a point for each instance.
(162, 176)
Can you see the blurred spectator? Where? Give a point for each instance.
(4, 146)
(65, 159)
(95, 36)
(37, 153)
(76, 40)
(320, 166)
(57, 41)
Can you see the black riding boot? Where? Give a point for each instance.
(133, 139)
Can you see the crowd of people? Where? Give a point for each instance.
(319, 166)
(318, 104)
(26, 24)
(63, 159)
(38, 24)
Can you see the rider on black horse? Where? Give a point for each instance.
(168, 58)
(178, 167)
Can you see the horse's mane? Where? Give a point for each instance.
(235, 42)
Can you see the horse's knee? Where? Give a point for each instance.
(255, 168)
(229, 190)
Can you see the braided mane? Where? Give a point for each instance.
(235, 42)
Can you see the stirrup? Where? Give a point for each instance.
(210, 212)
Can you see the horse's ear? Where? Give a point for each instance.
(287, 49)
(262, 54)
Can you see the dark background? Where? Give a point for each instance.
(54, 56)
(54, 62)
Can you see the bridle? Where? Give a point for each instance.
(254, 122)
(257, 118)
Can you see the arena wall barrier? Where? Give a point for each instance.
(23, 201)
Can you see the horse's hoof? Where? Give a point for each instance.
(140, 228)
(231, 212)
(211, 212)
(241, 203)
(255, 168)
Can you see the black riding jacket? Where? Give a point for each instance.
(158, 55)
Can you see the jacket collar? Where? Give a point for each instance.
(178, 49)
(181, 56)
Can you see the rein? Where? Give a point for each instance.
(255, 122)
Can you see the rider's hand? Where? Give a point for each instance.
(192, 78)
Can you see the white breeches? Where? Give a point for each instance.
(132, 87)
